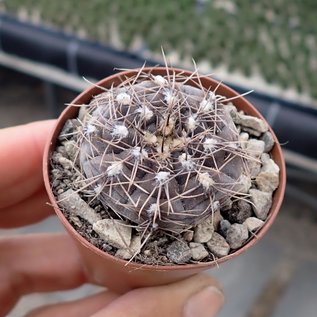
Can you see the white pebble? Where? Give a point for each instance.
(204, 231)
(261, 203)
(218, 245)
(253, 223)
(198, 251)
(73, 203)
(236, 235)
(268, 178)
(134, 248)
(115, 232)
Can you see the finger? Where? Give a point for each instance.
(37, 263)
(28, 211)
(79, 308)
(196, 296)
(21, 155)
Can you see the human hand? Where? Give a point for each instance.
(50, 262)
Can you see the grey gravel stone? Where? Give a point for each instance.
(267, 137)
(244, 183)
(65, 162)
(265, 157)
(240, 211)
(251, 122)
(253, 224)
(232, 110)
(268, 178)
(255, 149)
(243, 138)
(71, 149)
(188, 235)
(69, 127)
(179, 252)
(262, 202)
(204, 231)
(218, 245)
(115, 232)
(217, 218)
(251, 131)
(74, 204)
(134, 248)
(237, 234)
(198, 251)
(76, 221)
(224, 227)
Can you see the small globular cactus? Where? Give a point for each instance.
(162, 151)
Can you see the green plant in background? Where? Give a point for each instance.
(277, 38)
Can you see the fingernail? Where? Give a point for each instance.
(205, 303)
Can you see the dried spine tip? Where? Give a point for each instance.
(123, 99)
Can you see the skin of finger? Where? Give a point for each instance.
(38, 263)
(21, 158)
(31, 210)
(78, 308)
(161, 301)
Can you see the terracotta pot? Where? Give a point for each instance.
(110, 271)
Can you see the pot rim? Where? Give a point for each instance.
(278, 195)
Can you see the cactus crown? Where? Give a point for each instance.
(162, 151)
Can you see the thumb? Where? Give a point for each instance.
(199, 295)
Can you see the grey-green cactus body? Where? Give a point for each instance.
(161, 152)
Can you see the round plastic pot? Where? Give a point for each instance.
(115, 273)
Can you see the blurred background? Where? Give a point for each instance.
(47, 47)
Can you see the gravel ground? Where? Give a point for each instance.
(275, 278)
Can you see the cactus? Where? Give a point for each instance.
(162, 151)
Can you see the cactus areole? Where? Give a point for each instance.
(168, 154)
